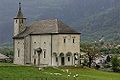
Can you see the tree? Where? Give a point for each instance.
(115, 51)
(108, 59)
(105, 50)
(7, 51)
(92, 51)
(115, 63)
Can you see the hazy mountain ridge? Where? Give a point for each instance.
(72, 12)
(105, 24)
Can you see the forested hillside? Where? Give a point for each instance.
(93, 18)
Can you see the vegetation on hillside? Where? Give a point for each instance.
(102, 25)
(106, 53)
(91, 50)
(7, 51)
(115, 64)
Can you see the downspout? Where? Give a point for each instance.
(72, 59)
(24, 51)
(51, 49)
(30, 50)
(14, 50)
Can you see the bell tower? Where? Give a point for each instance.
(19, 22)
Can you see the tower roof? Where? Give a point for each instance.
(19, 13)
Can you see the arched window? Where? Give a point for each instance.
(56, 59)
(68, 58)
(18, 52)
(22, 21)
(61, 55)
(73, 40)
(44, 53)
(54, 53)
(64, 40)
(16, 21)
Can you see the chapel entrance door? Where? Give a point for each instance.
(34, 61)
(39, 51)
(62, 61)
(38, 59)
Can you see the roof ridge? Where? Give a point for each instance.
(57, 25)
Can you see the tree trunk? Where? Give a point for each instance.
(90, 62)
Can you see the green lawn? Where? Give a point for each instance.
(13, 72)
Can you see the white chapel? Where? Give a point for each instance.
(45, 42)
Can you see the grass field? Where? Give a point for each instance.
(13, 72)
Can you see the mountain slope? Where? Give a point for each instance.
(72, 12)
(104, 24)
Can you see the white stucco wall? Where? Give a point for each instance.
(43, 42)
(19, 45)
(60, 47)
(27, 46)
(16, 27)
(19, 26)
(69, 46)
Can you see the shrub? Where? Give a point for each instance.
(115, 63)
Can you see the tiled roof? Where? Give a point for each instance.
(46, 26)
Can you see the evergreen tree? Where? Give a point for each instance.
(115, 63)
